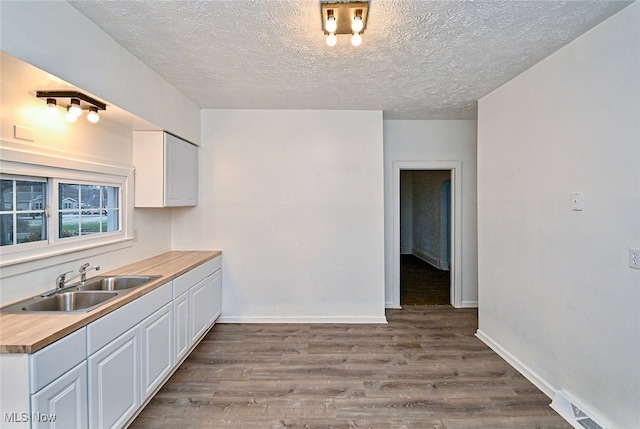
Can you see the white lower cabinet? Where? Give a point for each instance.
(63, 403)
(114, 381)
(197, 304)
(100, 376)
(200, 297)
(156, 333)
(216, 296)
(182, 323)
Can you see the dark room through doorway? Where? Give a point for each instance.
(425, 237)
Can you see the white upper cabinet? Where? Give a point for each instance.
(166, 170)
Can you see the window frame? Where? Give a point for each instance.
(56, 210)
(59, 167)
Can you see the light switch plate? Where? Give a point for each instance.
(634, 258)
(577, 201)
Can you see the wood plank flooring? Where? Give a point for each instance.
(422, 283)
(425, 369)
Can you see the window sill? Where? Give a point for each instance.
(19, 264)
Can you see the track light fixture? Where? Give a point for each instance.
(345, 17)
(76, 104)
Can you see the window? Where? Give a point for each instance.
(82, 209)
(22, 210)
(52, 205)
(86, 209)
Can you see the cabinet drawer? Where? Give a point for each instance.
(107, 328)
(187, 280)
(63, 402)
(54, 360)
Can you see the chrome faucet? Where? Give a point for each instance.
(61, 280)
(83, 271)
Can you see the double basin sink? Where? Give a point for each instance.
(81, 298)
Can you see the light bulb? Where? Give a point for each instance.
(332, 39)
(356, 24)
(70, 116)
(93, 116)
(331, 25)
(356, 39)
(75, 108)
(52, 107)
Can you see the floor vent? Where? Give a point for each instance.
(576, 414)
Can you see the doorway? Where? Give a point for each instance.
(453, 236)
(425, 232)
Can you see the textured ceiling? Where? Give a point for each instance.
(419, 59)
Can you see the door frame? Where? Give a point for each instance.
(455, 167)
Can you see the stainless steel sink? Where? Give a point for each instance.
(116, 282)
(67, 302)
(81, 298)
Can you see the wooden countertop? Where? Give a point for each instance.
(28, 333)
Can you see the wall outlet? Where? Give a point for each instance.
(634, 258)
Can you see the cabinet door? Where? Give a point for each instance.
(181, 172)
(157, 348)
(182, 324)
(114, 381)
(190, 175)
(63, 403)
(200, 308)
(174, 170)
(216, 296)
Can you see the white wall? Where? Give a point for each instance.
(428, 228)
(55, 37)
(434, 141)
(295, 201)
(557, 296)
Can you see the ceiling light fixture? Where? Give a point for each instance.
(52, 107)
(77, 103)
(344, 17)
(332, 40)
(356, 24)
(74, 108)
(93, 116)
(70, 116)
(331, 25)
(356, 39)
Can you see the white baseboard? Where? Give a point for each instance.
(430, 259)
(469, 304)
(304, 319)
(527, 372)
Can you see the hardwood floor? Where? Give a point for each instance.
(422, 283)
(425, 369)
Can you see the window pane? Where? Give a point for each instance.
(23, 203)
(69, 224)
(6, 229)
(90, 199)
(6, 198)
(68, 196)
(112, 218)
(110, 197)
(30, 195)
(30, 228)
(92, 225)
